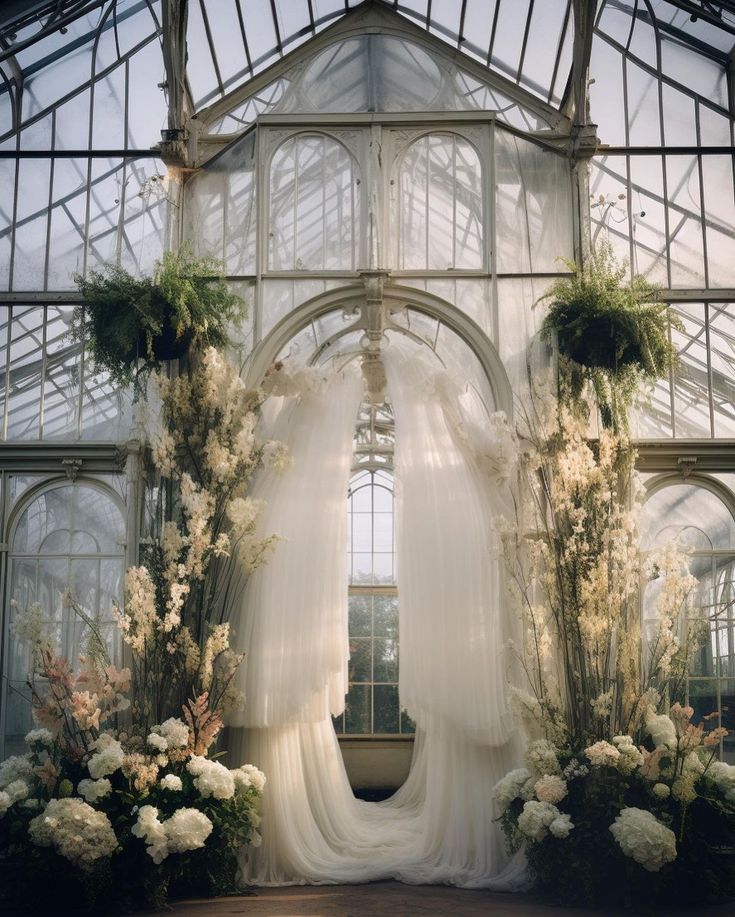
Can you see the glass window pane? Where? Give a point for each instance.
(360, 666)
(386, 717)
(357, 710)
(360, 615)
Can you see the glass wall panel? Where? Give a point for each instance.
(697, 400)
(314, 207)
(533, 221)
(220, 216)
(69, 537)
(47, 388)
(699, 515)
(440, 206)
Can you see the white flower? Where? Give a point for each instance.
(75, 830)
(93, 790)
(5, 802)
(108, 758)
(39, 737)
(541, 756)
(187, 829)
(211, 778)
(150, 829)
(550, 788)
(661, 729)
(641, 836)
(723, 776)
(561, 826)
(172, 782)
(630, 756)
(157, 741)
(248, 776)
(508, 788)
(174, 731)
(661, 790)
(602, 754)
(17, 790)
(536, 818)
(16, 767)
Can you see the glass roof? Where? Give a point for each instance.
(55, 51)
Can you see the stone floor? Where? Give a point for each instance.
(391, 899)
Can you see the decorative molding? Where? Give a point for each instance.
(66, 458)
(686, 456)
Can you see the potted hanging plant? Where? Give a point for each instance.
(614, 332)
(131, 324)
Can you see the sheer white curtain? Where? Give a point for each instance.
(440, 825)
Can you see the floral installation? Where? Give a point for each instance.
(121, 778)
(138, 817)
(204, 449)
(619, 779)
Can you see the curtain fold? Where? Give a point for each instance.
(454, 672)
(294, 626)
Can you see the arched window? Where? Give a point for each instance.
(372, 705)
(439, 207)
(70, 536)
(699, 514)
(314, 206)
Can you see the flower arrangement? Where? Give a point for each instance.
(622, 798)
(130, 324)
(651, 814)
(177, 600)
(139, 818)
(119, 779)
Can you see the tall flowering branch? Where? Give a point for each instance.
(577, 570)
(177, 602)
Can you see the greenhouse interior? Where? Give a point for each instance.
(367, 459)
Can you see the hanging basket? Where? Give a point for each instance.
(605, 341)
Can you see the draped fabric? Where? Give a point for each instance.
(454, 675)
(294, 629)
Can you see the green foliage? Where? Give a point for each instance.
(130, 324)
(613, 331)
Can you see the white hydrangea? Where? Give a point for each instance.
(536, 819)
(508, 788)
(187, 829)
(16, 767)
(157, 741)
(723, 775)
(172, 782)
(211, 778)
(5, 802)
(248, 776)
(17, 790)
(661, 729)
(541, 757)
(550, 788)
(150, 829)
(630, 756)
(661, 790)
(602, 754)
(39, 737)
(173, 733)
(641, 836)
(561, 826)
(75, 830)
(94, 790)
(108, 757)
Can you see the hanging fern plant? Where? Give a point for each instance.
(613, 331)
(131, 324)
